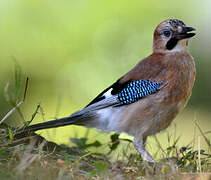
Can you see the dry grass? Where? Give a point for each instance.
(32, 157)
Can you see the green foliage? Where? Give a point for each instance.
(82, 143)
(100, 167)
(114, 142)
(10, 134)
(4, 175)
(13, 95)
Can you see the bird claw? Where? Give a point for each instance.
(140, 148)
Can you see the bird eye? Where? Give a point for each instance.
(167, 33)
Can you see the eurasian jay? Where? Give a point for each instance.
(145, 100)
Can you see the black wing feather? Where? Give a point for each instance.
(116, 88)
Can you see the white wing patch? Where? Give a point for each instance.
(108, 93)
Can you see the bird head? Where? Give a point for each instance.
(172, 35)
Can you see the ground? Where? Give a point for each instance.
(30, 156)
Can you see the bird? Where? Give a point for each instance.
(145, 100)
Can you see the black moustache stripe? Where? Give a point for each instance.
(171, 43)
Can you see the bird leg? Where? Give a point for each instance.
(139, 144)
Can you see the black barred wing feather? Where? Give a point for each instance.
(136, 90)
(114, 89)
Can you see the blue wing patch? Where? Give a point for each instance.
(136, 90)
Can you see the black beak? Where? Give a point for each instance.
(185, 33)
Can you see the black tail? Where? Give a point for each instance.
(76, 119)
(52, 124)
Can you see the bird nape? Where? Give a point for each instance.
(145, 100)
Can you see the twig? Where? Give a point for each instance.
(33, 115)
(199, 153)
(26, 87)
(15, 142)
(82, 157)
(18, 105)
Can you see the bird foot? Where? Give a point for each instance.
(143, 152)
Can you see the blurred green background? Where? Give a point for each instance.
(73, 49)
